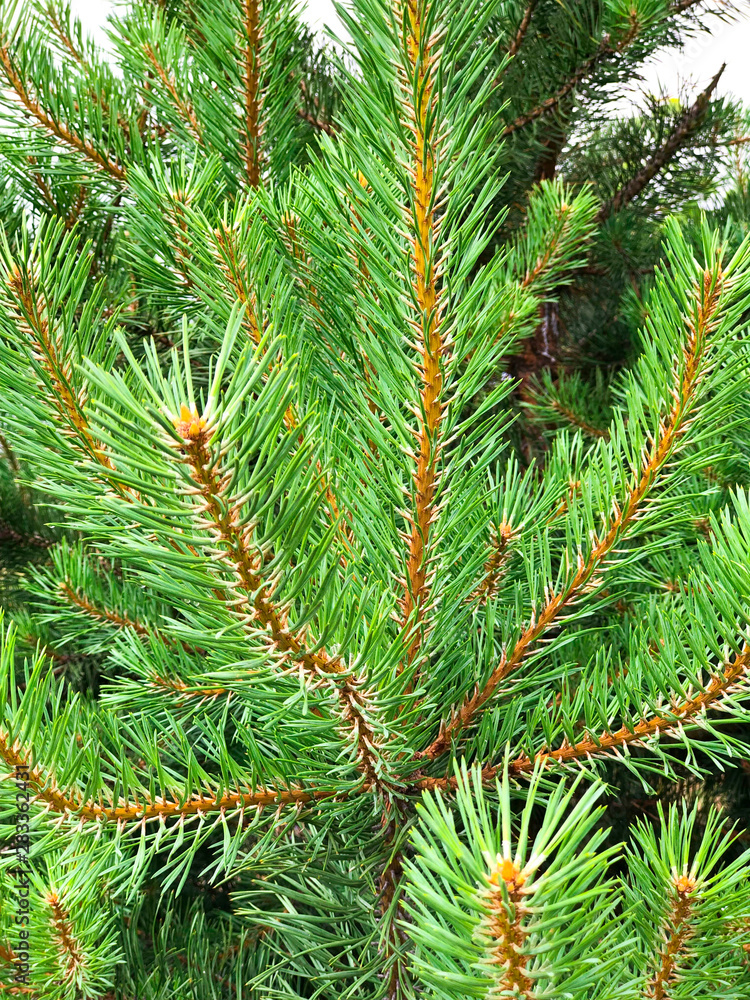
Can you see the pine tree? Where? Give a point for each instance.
(333, 674)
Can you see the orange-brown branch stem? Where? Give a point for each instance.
(221, 520)
(149, 809)
(496, 566)
(418, 579)
(63, 931)
(45, 349)
(119, 619)
(183, 107)
(653, 462)
(65, 40)
(679, 931)
(251, 83)
(590, 746)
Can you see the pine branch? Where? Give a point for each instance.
(669, 149)
(298, 254)
(183, 107)
(72, 50)
(422, 58)
(503, 904)
(604, 51)
(33, 320)
(219, 515)
(503, 925)
(119, 619)
(47, 791)
(160, 808)
(559, 229)
(576, 420)
(318, 123)
(177, 205)
(515, 45)
(566, 223)
(76, 208)
(43, 186)
(653, 462)
(568, 397)
(45, 347)
(61, 131)
(62, 660)
(677, 931)
(183, 691)
(251, 82)
(124, 622)
(146, 809)
(235, 272)
(233, 268)
(63, 932)
(720, 686)
(64, 37)
(497, 565)
(390, 888)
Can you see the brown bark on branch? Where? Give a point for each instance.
(680, 134)
(515, 45)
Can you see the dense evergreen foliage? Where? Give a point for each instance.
(375, 485)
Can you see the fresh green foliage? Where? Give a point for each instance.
(347, 635)
(535, 909)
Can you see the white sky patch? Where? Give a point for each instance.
(93, 14)
(677, 73)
